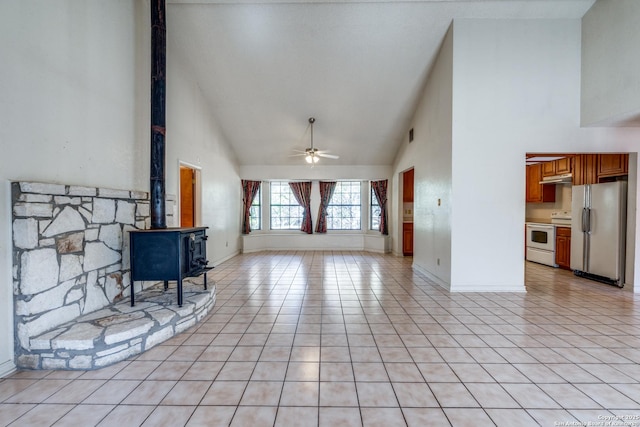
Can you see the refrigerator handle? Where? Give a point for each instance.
(588, 220)
(585, 220)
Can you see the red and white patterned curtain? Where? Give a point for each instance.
(380, 190)
(326, 191)
(302, 193)
(249, 191)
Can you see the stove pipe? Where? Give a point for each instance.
(158, 101)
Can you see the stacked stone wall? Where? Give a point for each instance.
(71, 252)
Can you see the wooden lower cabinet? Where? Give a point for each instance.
(536, 192)
(407, 238)
(563, 247)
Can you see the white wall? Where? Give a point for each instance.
(430, 155)
(194, 137)
(610, 63)
(70, 109)
(516, 89)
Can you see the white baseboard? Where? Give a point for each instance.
(7, 368)
(228, 257)
(431, 277)
(453, 289)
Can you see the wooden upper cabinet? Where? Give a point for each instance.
(556, 167)
(612, 165)
(536, 192)
(563, 165)
(585, 169)
(548, 168)
(407, 186)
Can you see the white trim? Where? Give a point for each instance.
(467, 288)
(228, 257)
(431, 277)
(7, 368)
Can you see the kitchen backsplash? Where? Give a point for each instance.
(543, 210)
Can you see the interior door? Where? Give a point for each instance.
(187, 197)
(606, 222)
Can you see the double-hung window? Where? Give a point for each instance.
(344, 209)
(286, 213)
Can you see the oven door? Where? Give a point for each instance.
(541, 236)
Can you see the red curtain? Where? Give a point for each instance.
(302, 193)
(249, 191)
(380, 190)
(326, 191)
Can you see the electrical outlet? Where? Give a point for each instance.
(226, 244)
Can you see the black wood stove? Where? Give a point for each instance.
(168, 254)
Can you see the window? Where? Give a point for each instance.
(286, 213)
(255, 212)
(343, 212)
(374, 212)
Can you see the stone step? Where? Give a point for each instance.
(119, 331)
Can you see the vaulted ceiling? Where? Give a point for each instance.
(358, 67)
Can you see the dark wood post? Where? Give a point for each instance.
(158, 101)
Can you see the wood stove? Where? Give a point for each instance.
(168, 254)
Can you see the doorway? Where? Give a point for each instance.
(189, 196)
(549, 194)
(407, 212)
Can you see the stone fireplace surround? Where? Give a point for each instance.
(71, 279)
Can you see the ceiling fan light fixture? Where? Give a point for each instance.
(311, 154)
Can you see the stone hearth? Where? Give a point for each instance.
(119, 331)
(71, 279)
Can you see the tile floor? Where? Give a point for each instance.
(350, 339)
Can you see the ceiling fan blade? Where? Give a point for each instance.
(328, 156)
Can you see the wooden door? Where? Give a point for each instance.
(187, 197)
(407, 186)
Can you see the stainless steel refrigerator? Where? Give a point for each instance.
(598, 231)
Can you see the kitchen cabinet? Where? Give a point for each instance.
(407, 238)
(563, 247)
(585, 169)
(407, 186)
(610, 165)
(563, 165)
(556, 167)
(536, 192)
(548, 168)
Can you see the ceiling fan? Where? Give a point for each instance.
(312, 154)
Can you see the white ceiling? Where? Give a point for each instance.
(358, 67)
